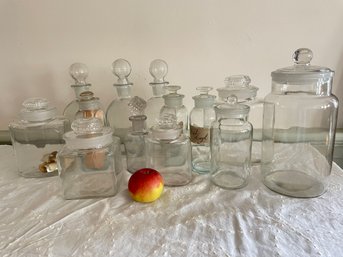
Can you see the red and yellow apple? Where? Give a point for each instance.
(145, 185)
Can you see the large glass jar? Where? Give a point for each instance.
(79, 72)
(87, 162)
(169, 152)
(299, 128)
(231, 139)
(239, 85)
(36, 138)
(158, 69)
(200, 119)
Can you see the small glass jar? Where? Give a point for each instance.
(158, 69)
(231, 140)
(299, 124)
(239, 85)
(90, 107)
(169, 152)
(201, 118)
(79, 72)
(135, 144)
(36, 138)
(87, 163)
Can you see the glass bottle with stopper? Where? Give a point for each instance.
(158, 70)
(118, 112)
(86, 162)
(200, 119)
(173, 104)
(135, 144)
(239, 85)
(90, 107)
(231, 137)
(168, 151)
(79, 72)
(36, 138)
(299, 124)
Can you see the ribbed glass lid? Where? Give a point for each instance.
(302, 70)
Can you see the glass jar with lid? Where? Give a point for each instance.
(200, 119)
(231, 139)
(90, 107)
(79, 72)
(87, 162)
(158, 69)
(239, 85)
(36, 138)
(169, 151)
(299, 122)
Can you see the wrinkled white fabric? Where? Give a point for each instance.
(199, 219)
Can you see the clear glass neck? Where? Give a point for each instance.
(80, 89)
(158, 90)
(123, 91)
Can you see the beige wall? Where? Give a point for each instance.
(203, 41)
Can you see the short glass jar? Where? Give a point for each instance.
(36, 137)
(87, 161)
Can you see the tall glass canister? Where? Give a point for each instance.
(158, 69)
(299, 124)
(200, 119)
(36, 137)
(79, 72)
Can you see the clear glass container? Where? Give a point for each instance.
(299, 123)
(231, 140)
(90, 107)
(135, 144)
(169, 152)
(79, 72)
(239, 85)
(36, 137)
(173, 104)
(158, 69)
(200, 119)
(86, 163)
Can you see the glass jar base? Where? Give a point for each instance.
(228, 179)
(201, 167)
(174, 178)
(294, 183)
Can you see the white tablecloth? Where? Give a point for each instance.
(199, 219)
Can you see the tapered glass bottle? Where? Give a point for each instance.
(200, 119)
(173, 104)
(158, 69)
(79, 72)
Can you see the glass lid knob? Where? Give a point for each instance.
(302, 56)
(79, 72)
(237, 80)
(122, 69)
(172, 89)
(35, 103)
(232, 99)
(87, 126)
(158, 69)
(204, 90)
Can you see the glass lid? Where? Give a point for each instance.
(232, 109)
(238, 85)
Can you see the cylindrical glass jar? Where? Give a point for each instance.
(231, 139)
(299, 128)
(169, 152)
(86, 163)
(36, 137)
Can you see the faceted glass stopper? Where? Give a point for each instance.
(84, 126)
(86, 96)
(302, 56)
(237, 80)
(167, 121)
(204, 90)
(172, 89)
(122, 69)
(35, 103)
(158, 69)
(79, 72)
(137, 106)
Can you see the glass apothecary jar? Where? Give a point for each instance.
(299, 128)
(90, 107)
(87, 163)
(240, 86)
(36, 138)
(169, 152)
(231, 140)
